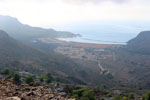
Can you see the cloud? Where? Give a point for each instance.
(58, 12)
(2, 0)
(96, 1)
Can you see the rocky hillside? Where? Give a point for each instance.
(131, 63)
(13, 52)
(140, 43)
(18, 56)
(11, 91)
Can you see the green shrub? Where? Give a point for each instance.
(83, 94)
(5, 72)
(68, 88)
(109, 76)
(84, 98)
(131, 96)
(75, 96)
(143, 98)
(49, 75)
(125, 98)
(42, 78)
(9, 76)
(29, 80)
(102, 98)
(109, 95)
(89, 94)
(146, 96)
(102, 87)
(117, 97)
(16, 78)
(78, 92)
(48, 78)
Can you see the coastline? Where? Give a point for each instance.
(89, 41)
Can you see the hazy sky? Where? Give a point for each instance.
(59, 12)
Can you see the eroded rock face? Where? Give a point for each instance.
(10, 91)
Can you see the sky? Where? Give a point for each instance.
(45, 13)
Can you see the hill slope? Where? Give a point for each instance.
(25, 32)
(140, 43)
(13, 52)
(131, 63)
(16, 55)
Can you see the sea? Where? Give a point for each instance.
(105, 32)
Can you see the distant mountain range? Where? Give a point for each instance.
(25, 32)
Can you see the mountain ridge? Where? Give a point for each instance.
(140, 44)
(25, 32)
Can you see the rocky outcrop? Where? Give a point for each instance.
(11, 91)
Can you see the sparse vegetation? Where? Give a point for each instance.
(131, 96)
(109, 95)
(42, 78)
(146, 96)
(48, 78)
(125, 98)
(29, 80)
(109, 76)
(102, 98)
(83, 94)
(16, 78)
(5, 72)
(117, 97)
(102, 87)
(79, 71)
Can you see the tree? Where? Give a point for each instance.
(131, 96)
(117, 97)
(5, 72)
(48, 78)
(29, 80)
(49, 75)
(109, 95)
(42, 78)
(16, 78)
(146, 96)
